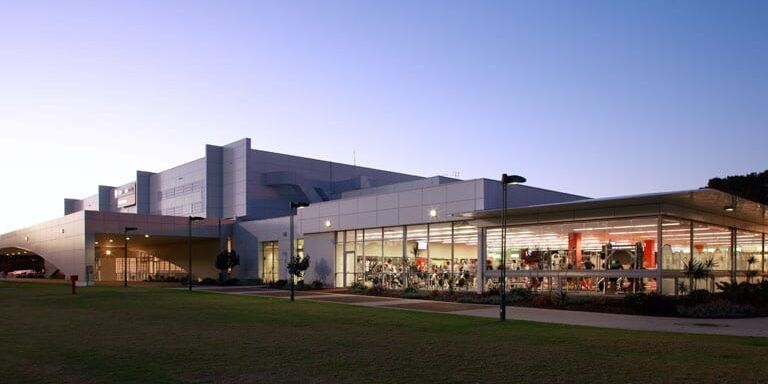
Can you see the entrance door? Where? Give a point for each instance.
(269, 261)
(349, 268)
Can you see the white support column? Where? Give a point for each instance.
(480, 277)
(659, 253)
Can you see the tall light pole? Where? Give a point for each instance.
(189, 246)
(505, 180)
(125, 250)
(294, 205)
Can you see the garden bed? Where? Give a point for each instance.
(735, 300)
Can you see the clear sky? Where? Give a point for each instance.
(595, 98)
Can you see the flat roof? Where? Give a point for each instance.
(705, 200)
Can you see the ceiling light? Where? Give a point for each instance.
(327, 223)
(433, 212)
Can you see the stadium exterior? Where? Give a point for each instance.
(373, 226)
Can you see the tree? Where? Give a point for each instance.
(296, 269)
(225, 261)
(753, 186)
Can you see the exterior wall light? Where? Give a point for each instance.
(61, 230)
(433, 212)
(729, 208)
(327, 223)
(146, 236)
(108, 252)
(111, 241)
(26, 238)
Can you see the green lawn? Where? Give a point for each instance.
(158, 335)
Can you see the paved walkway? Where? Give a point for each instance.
(737, 327)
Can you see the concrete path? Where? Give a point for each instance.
(757, 327)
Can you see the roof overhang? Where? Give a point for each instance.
(707, 205)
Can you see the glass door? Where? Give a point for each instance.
(349, 268)
(269, 261)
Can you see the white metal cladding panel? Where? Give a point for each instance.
(385, 218)
(347, 221)
(366, 219)
(460, 191)
(409, 198)
(345, 206)
(410, 215)
(321, 248)
(330, 208)
(459, 206)
(366, 204)
(60, 242)
(386, 201)
(433, 195)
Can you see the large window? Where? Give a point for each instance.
(607, 244)
(465, 255)
(418, 255)
(440, 255)
(393, 266)
(749, 253)
(712, 245)
(676, 251)
(433, 256)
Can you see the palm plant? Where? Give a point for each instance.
(696, 270)
(750, 273)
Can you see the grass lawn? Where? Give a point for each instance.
(159, 335)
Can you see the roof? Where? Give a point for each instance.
(705, 200)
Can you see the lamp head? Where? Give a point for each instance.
(512, 179)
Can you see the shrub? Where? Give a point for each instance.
(745, 292)
(208, 281)
(414, 294)
(280, 284)
(699, 296)
(257, 281)
(377, 290)
(358, 287)
(477, 299)
(410, 289)
(521, 293)
(317, 284)
(649, 303)
(718, 309)
(232, 281)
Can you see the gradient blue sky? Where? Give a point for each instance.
(594, 98)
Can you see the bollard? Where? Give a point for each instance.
(73, 278)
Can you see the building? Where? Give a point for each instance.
(372, 226)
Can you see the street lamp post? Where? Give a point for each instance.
(189, 247)
(125, 250)
(505, 180)
(294, 205)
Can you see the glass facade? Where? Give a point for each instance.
(749, 255)
(602, 256)
(429, 256)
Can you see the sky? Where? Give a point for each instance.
(598, 98)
